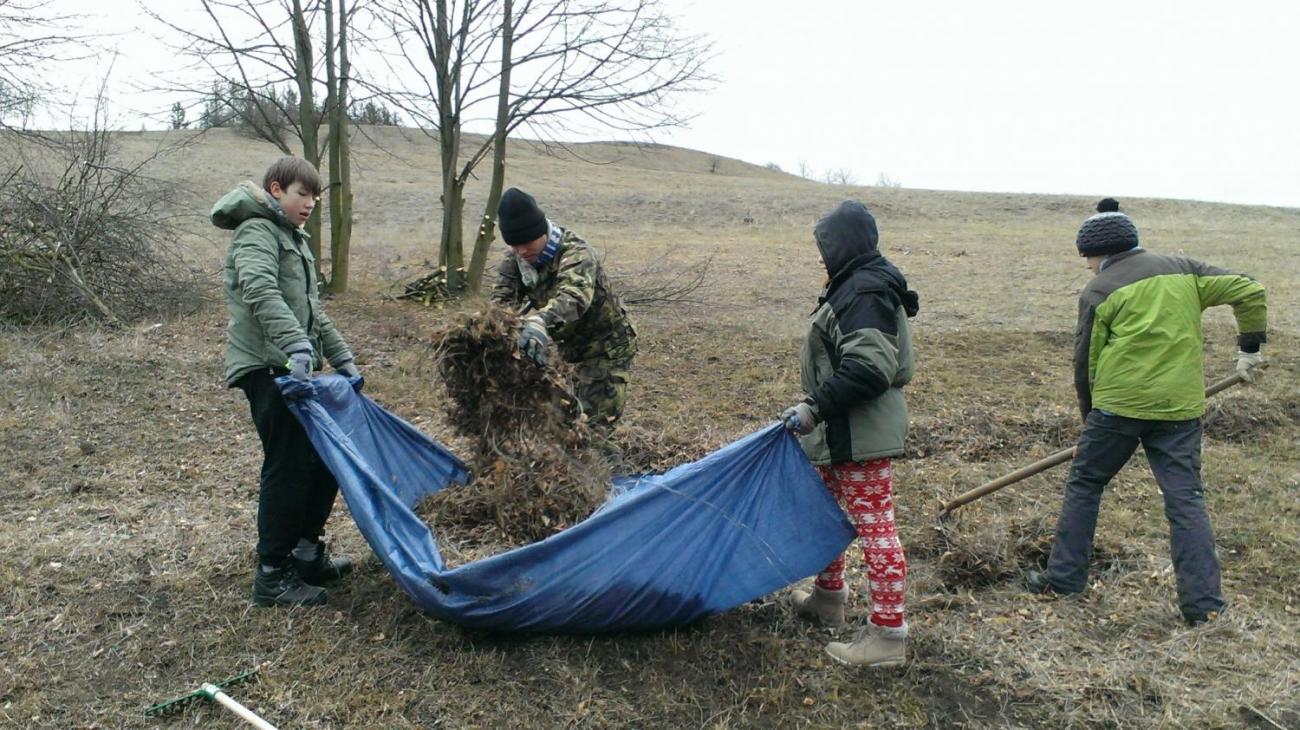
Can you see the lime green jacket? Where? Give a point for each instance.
(1138, 344)
(269, 280)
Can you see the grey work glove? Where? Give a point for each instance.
(300, 360)
(534, 342)
(347, 368)
(1248, 366)
(799, 419)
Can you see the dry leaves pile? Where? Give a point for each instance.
(535, 469)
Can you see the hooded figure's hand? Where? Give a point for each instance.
(799, 419)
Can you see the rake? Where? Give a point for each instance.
(213, 691)
(1044, 464)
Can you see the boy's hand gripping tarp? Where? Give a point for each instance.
(664, 550)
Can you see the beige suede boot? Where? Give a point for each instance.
(874, 646)
(820, 605)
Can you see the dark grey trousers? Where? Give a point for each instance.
(1173, 449)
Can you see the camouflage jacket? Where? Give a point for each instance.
(572, 295)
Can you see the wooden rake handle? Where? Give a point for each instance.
(1059, 457)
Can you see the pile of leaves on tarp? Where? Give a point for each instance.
(536, 468)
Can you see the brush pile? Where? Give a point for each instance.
(975, 551)
(536, 470)
(430, 288)
(1243, 417)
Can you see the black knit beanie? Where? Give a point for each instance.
(519, 218)
(1108, 232)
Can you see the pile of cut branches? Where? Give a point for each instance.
(85, 237)
(430, 288)
(536, 470)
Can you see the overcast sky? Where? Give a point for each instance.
(1163, 99)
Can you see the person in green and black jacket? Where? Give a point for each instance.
(855, 362)
(557, 279)
(1138, 374)
(277, 327)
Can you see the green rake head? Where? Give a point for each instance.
(206, 692)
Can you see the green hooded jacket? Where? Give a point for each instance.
(858, 354)
(270, 283)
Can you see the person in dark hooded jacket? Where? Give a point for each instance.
(855, 362)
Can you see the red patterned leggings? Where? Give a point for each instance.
(866, 492)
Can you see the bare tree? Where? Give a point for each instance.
(33, 38)
(552, 66)
(340, 153)
(885, 181)
(258, 49)
(840, 176)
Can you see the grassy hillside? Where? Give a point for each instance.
(131, 476)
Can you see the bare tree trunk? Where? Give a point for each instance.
(452, 251)
(487, 226)
(336, 108)
(307, 117)
(343, 247)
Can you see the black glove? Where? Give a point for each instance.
(799, 419)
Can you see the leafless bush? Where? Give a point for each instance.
(840, 176)
(666, 282)
(85, 237)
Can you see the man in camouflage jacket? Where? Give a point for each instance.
(556, 278)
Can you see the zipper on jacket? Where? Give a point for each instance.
(306, 276)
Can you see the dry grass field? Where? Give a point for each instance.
(129, 473)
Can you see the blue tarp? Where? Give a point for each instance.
(664, 550)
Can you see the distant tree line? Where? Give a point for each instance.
(268, 112)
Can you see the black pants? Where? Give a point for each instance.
(1173, 449)
(297, 490)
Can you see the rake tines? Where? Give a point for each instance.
(209, 691)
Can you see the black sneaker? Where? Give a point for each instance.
(1197, 619)
(1037, 582)
(323, 569)
(284, 587)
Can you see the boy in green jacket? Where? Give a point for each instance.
(1139, 379)
(277, 327)
(855, 362)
